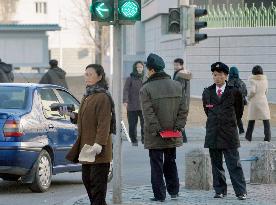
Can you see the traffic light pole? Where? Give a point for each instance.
(117, 95)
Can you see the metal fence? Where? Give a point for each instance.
(222, 16)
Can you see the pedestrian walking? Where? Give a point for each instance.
(258, 108)
(131, 101)
(234, 80)
(223, 105)
(182, 75)
(6, 74)
(96, 122)
(55, 75)
(163, 109)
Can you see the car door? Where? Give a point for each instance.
(55, 124)
(69, 134)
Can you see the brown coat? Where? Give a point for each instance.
(93, 121)
(258, 108)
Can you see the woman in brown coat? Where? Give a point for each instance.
(258, 108)
(94, 125)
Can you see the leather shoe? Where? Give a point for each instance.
(242, 197)
(174, 196)
(219, 196)
(155, 199)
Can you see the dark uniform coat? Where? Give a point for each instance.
(222, 114)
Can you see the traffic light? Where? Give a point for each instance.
(174, 20)
(129, 10)
(102, 10)
(194, 24)
(200, 24)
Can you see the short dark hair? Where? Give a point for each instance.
(257, 70)
(100, 71)
(179, 60)
(53, 63)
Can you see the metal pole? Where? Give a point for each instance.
(117, 94)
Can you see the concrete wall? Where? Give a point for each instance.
(243, 48)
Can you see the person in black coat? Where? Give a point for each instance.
(223, 105)
(131, 101)
(6, 73)
(234, 79)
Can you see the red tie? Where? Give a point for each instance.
(219, 92)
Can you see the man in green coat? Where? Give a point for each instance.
(163, 109)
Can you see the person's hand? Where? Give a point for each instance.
(97, 148)
(64, 111)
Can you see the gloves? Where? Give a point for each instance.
(97, 148)
(63, 111)
(88, 153)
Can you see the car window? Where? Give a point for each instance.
(48, 97)
(69, 99)
(13, 97)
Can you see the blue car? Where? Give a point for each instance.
(34, 140)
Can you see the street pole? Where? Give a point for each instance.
(117, 94)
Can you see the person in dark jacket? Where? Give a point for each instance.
(131, 101)
(163, 108)
(182, 75)
(223, 105)
(55, 75)
(6, 74)
(234, 79)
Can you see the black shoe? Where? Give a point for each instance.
(155, 199)
(241, 132)
(242, 197)
(219, 196)
(248, 138)
(174, 196)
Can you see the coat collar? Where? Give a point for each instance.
(258, 77)
(226, 92)
(158, 76)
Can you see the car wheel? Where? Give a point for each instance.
(43, 174)
(110, 174)
(9, 177)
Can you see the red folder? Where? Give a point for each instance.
(170, 134)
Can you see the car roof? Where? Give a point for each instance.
(31, 85)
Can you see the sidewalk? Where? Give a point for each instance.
(257, 195)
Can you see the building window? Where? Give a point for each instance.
(41, 7)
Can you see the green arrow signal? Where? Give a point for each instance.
(102, 10)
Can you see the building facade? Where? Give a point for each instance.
(70, 46)
(240, 46)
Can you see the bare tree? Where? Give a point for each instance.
(7, 10)
(94, 34)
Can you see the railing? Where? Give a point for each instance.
(240, 17)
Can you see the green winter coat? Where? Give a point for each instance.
(163, 108)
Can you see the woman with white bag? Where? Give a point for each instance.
(96, 122)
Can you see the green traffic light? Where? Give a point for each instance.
(130, 9)
(102, 11)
